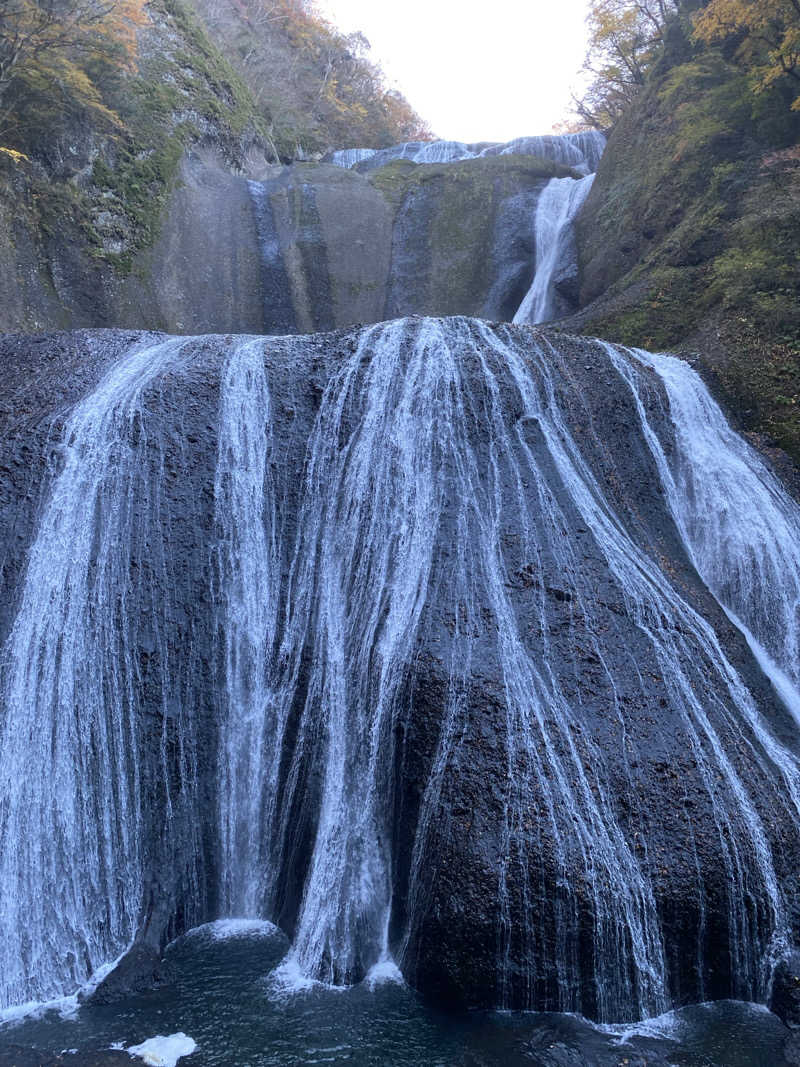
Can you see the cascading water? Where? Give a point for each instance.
(356, 593)
(454, 563)
(334, 251)
(72, 830)
(556, 211)
(248, 576)
(580, 812)
(391, 450)
(581, 151)
(749, 556)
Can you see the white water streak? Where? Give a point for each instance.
(556, 211)
(739, 524)
(248, 575)
(71, 838)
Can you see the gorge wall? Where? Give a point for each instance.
(312, 246)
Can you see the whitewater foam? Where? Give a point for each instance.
(228, 929)
(164, 1051)
(384, 972)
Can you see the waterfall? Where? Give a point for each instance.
(248, 574)
(581, 151)
(390, 454)
(451, 556)
(500, 278)
(356, 594)
(279, 310)
(556, 211)
(589, 840)
(72, 829)
(748, 554)
(413, 151)
(349, 157)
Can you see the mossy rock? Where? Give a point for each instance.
(688, 241)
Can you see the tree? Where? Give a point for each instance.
(315, 86)
(50, 44)
(768, 33)
(624, 36)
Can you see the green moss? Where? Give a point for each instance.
(395, 180)
(670, 306)
(689, 239)
(138, 188)
(400, 176)
(760, 381)
(175, 98)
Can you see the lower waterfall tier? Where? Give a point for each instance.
(413, 640)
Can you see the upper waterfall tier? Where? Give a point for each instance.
(425, 229)
(409, 639)
(556, 255)
(435, 229)
(580, 151)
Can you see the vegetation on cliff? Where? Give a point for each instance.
(765, 35)
(98, 120)
(99, 99)
(316, 88)
(689, 237)
(55, 55)
(625, 38)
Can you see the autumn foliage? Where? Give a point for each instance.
(624, 39)
(54, 50)
(315, 86)
(766, 34)
(627, 38)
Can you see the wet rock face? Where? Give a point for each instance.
(485, 613)
(340, 247)
(296, 249)
(785, 999)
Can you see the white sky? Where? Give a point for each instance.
(490, 70)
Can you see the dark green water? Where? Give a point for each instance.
(219, 992)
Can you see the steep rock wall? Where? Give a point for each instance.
(294, 249)
(404, 239)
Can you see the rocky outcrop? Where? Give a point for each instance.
(296, 249)
(203, 272)
(404, 239)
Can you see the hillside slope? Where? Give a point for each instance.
(688, 240)
(315, 88)
(102, 201)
